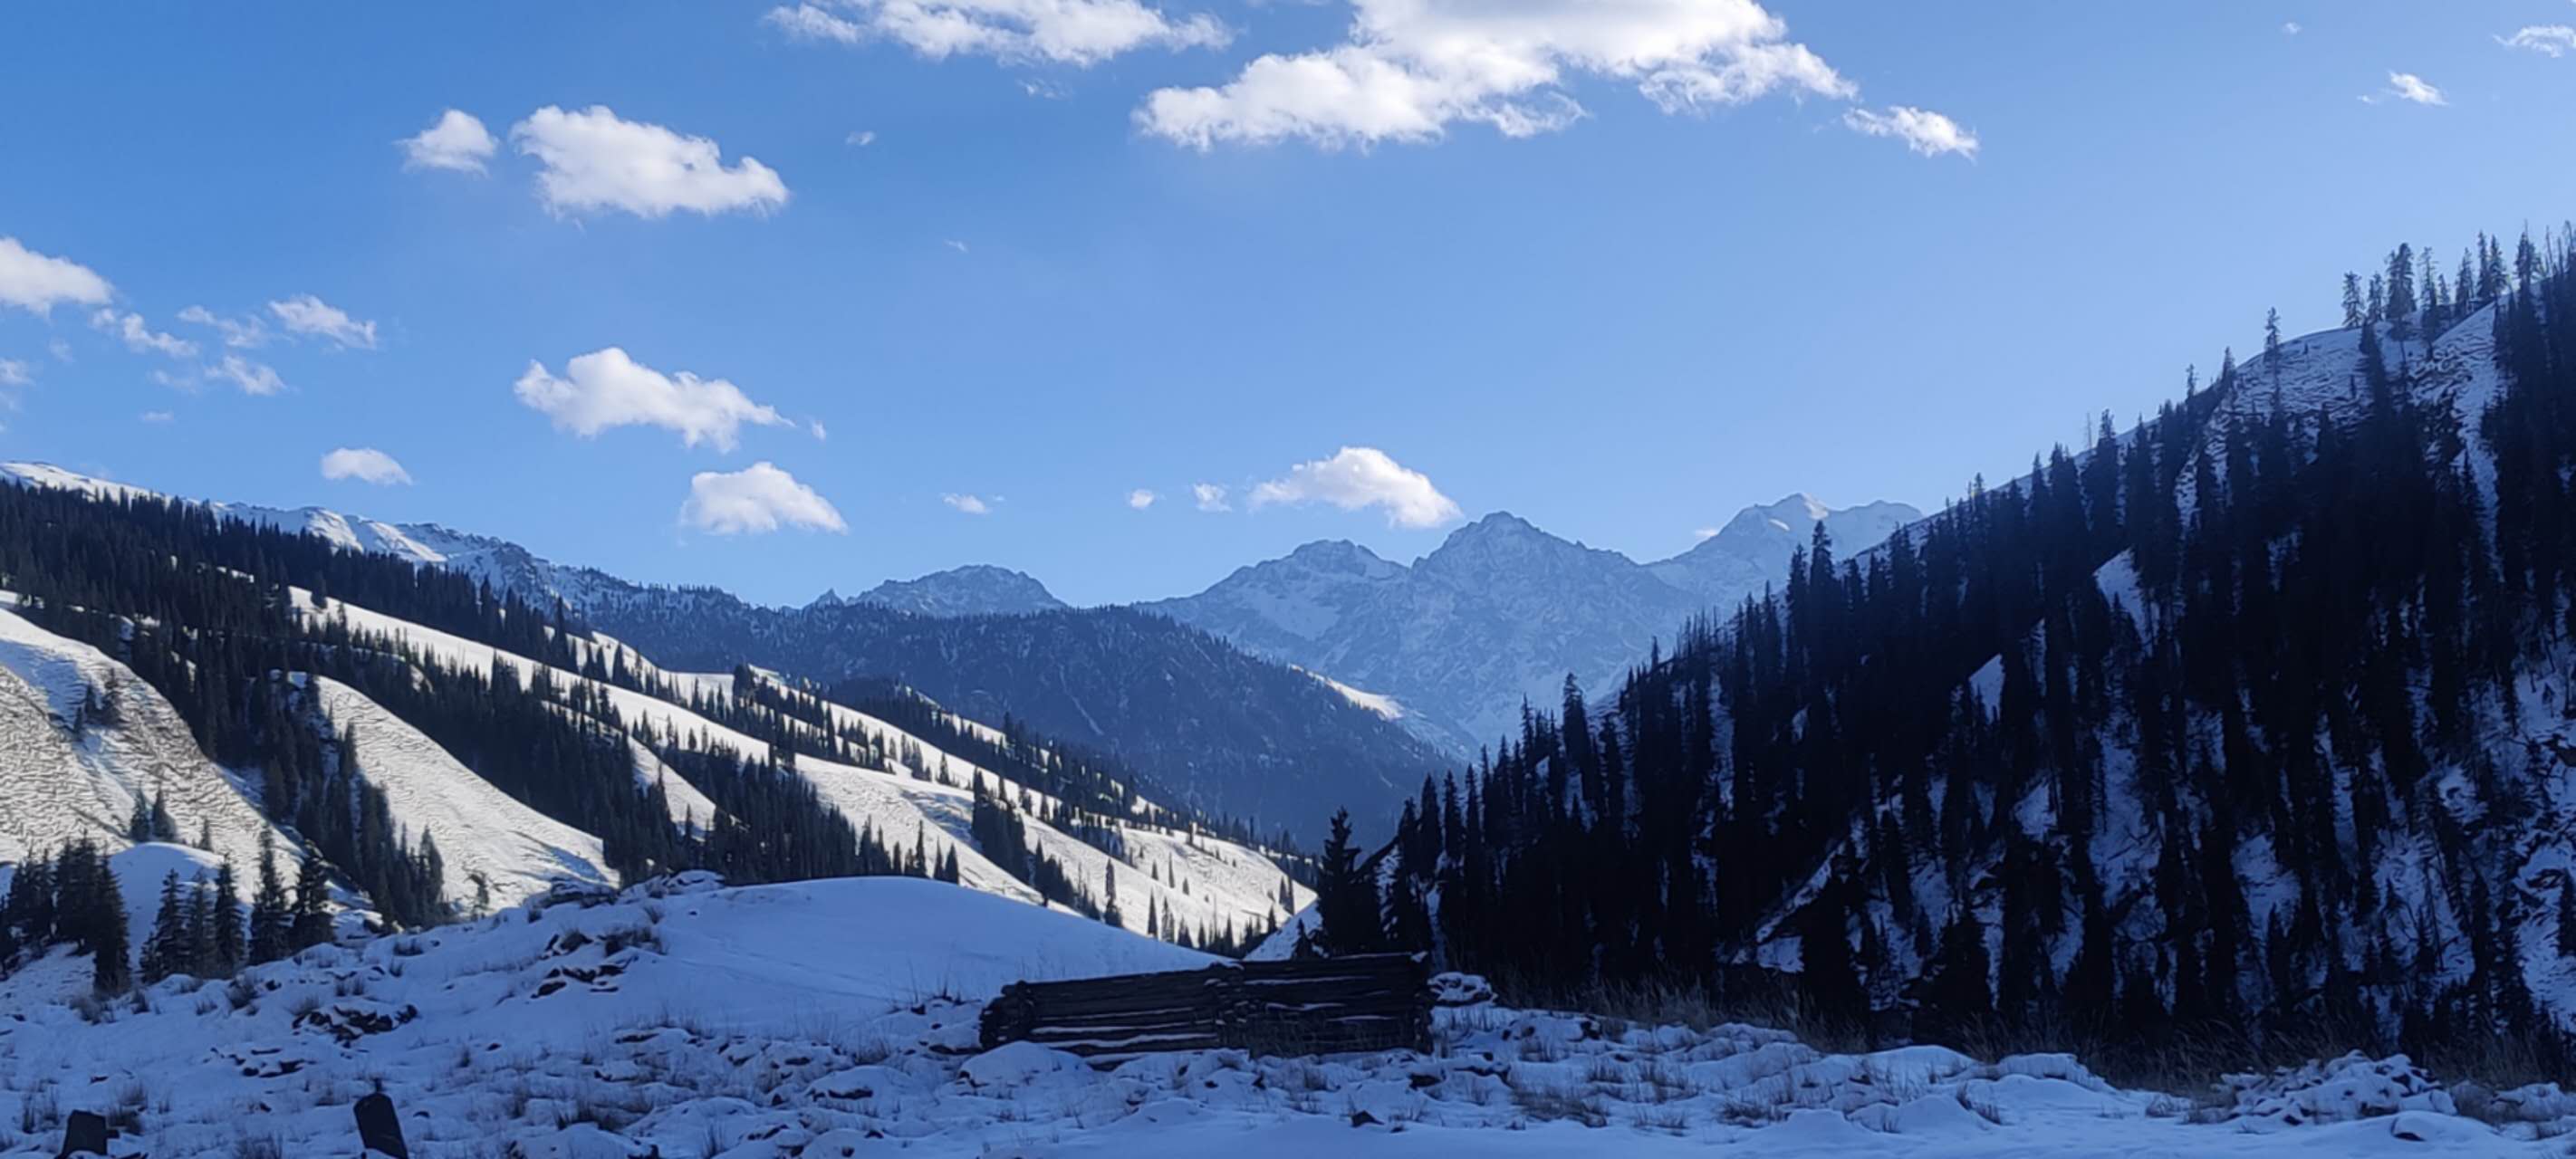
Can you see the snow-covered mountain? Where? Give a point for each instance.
(973, 590)
(88, 740)
(1223, 731)
(1752, 550)
(506, 566)
(1502, 611)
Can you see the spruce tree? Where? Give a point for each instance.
(112, 963)
(224, 939)
(311, 925)
(269, 908)
(2272, 344)
(169, 931)
(165, 828)
(1346, 902)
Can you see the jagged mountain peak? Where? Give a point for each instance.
(1501, 610)
(976, 589)
(1504, 541)
(1794, 509)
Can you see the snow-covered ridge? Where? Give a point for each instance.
(1502, 611)
(839, 1018)
(1203, 882)
(83, 740)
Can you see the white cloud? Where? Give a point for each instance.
(2407, 86)
(457, 142)
(2292, 28)
(1076, 32)
(955, 244)
(140, 338)
(816, 426)
(158, 416)
(2546, 39)
(970, 504)
(241, 333)
(251, 377)
(1411, 68)
(15, 373)
(1926, 132)
(755, 500)
(593, 160)
(605, 388)
(309, 315)
(61, 350)
(36, 283)
(366, 465)
(1210, 497)
(1705, 533)
(1358, 477)
(1141, 498)
(863, 138)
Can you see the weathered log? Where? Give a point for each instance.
(1376, 1002)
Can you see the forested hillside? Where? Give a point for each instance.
(1243, 739)
(2250, 724)
(440, 749)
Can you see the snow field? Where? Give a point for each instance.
(838, 1018)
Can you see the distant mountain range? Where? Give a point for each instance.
(1212, 726)
(1405, 667)
(1451, 645)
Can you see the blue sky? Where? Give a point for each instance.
(1621, 268)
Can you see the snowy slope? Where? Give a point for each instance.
(838, 1018)
(1227, 885)
(60, 786)
(490, 843)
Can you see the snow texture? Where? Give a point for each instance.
(838, 1018)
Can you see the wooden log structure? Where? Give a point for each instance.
(1300, 1006)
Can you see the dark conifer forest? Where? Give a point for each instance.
(2225, 726)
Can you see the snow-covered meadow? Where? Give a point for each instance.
(685, 1019)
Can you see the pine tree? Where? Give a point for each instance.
(165, 828)
(2399, 306)
(169, 932)
(2352, 308)
(269, 909)
(112, 963)
(2272, 344)
(1346, 902)
(224, 938)
(311, 925)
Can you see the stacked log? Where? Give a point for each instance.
(1302, 1006)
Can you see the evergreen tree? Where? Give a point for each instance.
(163, 951)
(270, 910)
(224, 937)
(112, 962)
(1346, 901)
(311, 924)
